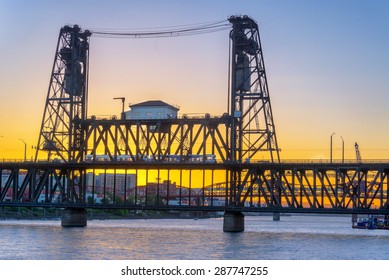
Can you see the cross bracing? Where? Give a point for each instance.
(165, 140)
(308, 188)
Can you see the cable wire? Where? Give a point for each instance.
(183, 30)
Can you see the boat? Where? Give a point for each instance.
(371, 222)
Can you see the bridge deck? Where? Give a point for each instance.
(306, 187)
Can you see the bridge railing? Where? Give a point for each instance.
(285, 161)
(6, 160)
(327, 161)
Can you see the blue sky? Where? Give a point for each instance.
(326, 64)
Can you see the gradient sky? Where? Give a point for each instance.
(326, 62)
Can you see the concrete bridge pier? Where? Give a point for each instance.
(73, 217)
(233, 221)
(276, 216)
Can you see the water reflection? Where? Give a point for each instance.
(294, 237)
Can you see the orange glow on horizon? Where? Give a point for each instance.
(314, 77)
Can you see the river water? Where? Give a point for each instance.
(296, 237)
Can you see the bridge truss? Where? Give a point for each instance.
(159, 141)
(292, 188)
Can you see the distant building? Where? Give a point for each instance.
(153, 109)
(121, 182)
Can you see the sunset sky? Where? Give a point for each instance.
(326, 63)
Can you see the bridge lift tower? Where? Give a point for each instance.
(252, 129)
(67, 97)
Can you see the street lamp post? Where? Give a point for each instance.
(331, 147)
(123, 99)
(1, 136)
(342, 149)
(25, 149)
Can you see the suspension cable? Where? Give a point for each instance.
(183, 30)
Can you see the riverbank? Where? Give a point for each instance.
(31, 213)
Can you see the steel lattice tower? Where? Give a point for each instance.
(252, 128)
(66, 98)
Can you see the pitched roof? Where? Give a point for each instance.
(153, 103)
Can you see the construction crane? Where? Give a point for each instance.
(357, 153)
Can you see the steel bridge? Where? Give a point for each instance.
(285, 187)
(227, 163)
(264, 187)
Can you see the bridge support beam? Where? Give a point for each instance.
(73, 217)
(233, 221)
